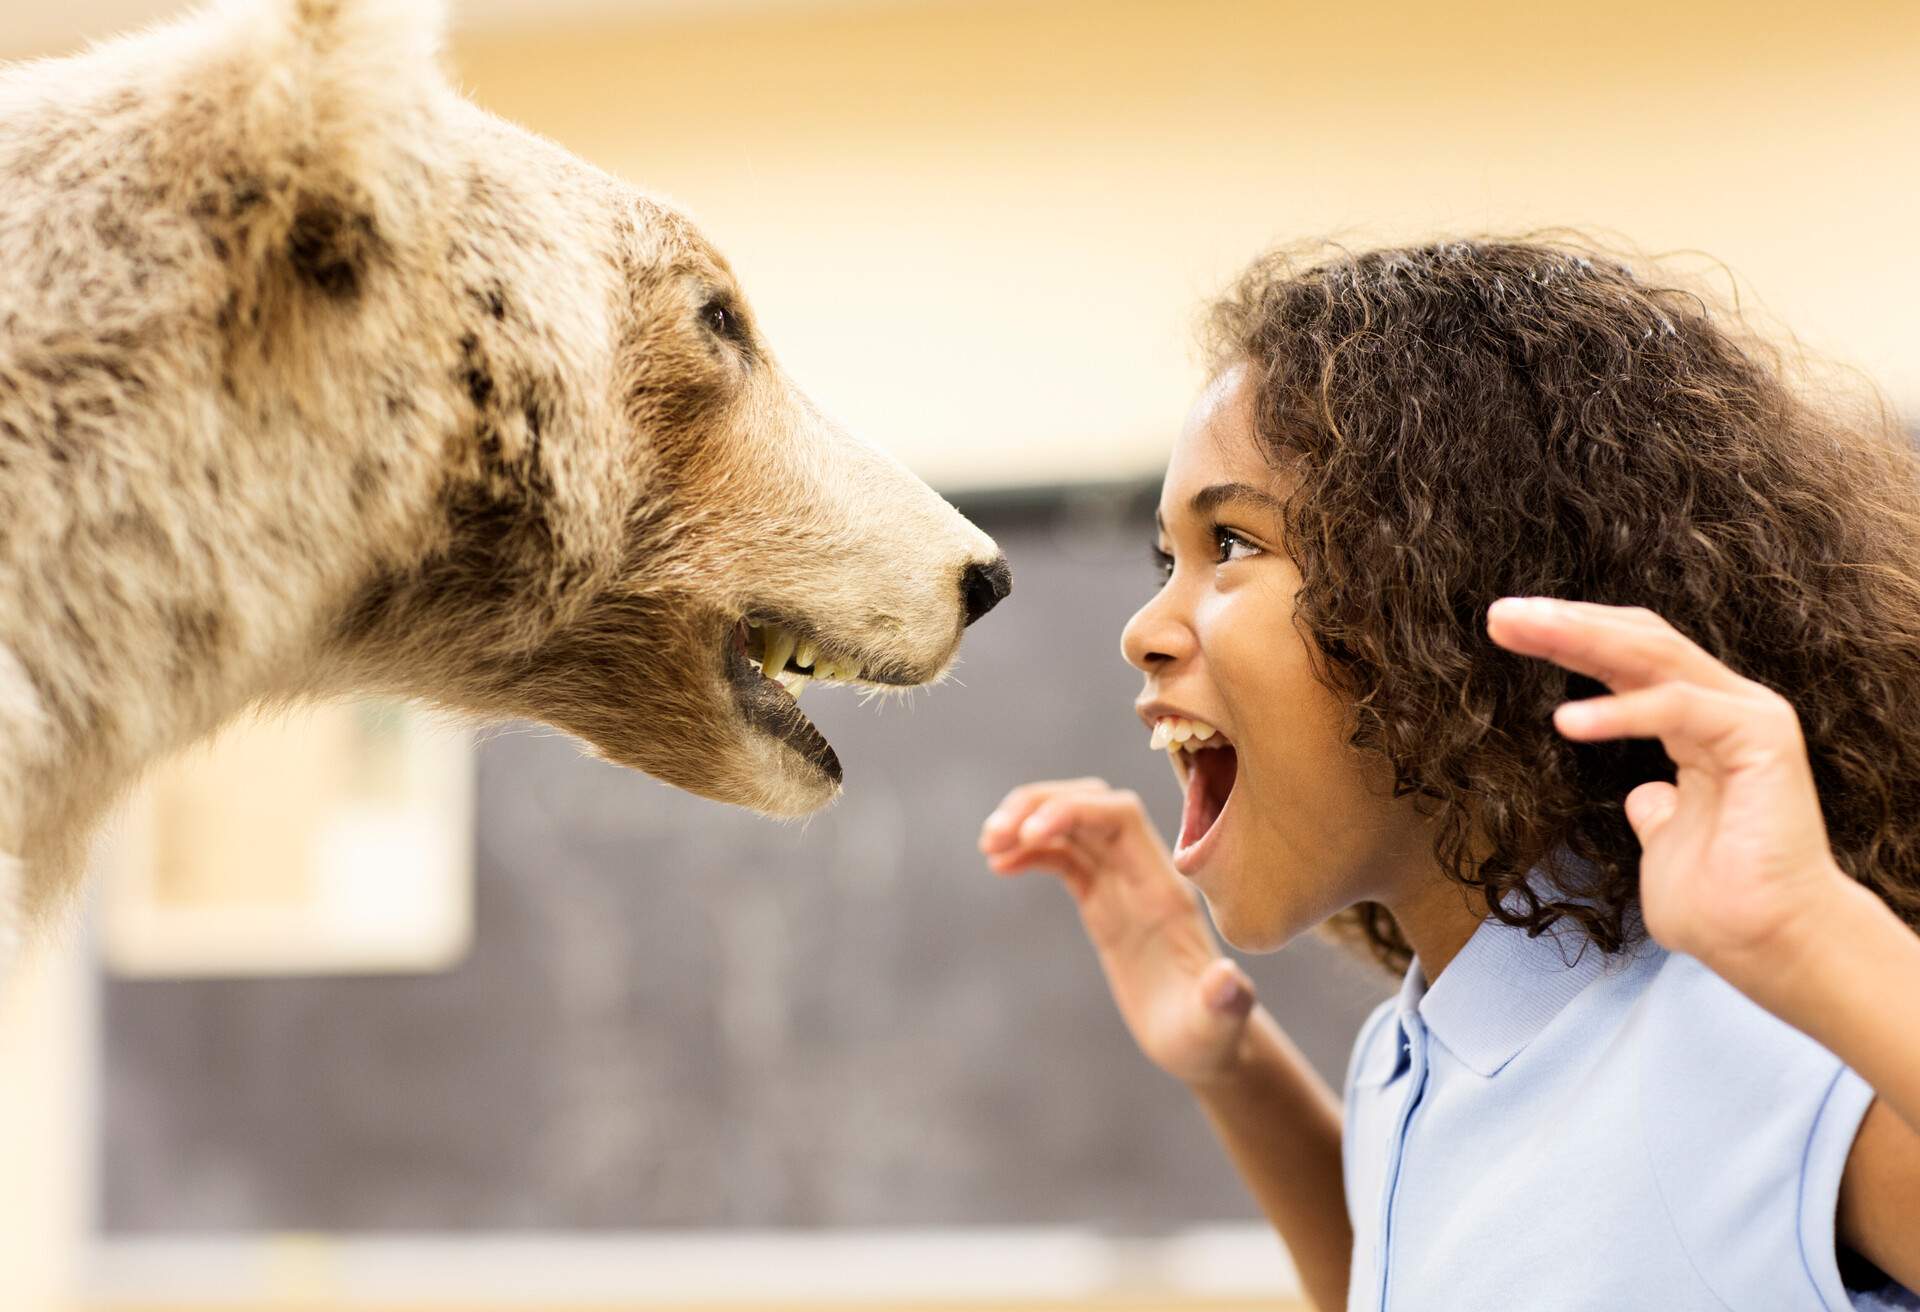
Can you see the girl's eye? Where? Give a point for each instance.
(1231, 545)
(1162, 566)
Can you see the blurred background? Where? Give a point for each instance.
(370, 1013)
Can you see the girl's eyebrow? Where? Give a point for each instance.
(1213, 497)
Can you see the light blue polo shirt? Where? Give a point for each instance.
(1628, 1134)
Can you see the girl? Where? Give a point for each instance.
(1648, 856)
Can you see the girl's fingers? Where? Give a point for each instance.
(1049, 856)
(1074, 835)
(1624, 648)
(1698, 726)
(1063, 859)
(1001, 829)
(1094, 818)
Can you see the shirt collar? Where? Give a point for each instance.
(1500, 990)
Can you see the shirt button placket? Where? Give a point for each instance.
(1413, 1051)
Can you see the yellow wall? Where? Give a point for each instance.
(981, 231)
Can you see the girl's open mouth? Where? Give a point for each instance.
(1207, 765)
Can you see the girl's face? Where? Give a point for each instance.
(1286, 824)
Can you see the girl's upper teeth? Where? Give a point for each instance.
(1173, 732)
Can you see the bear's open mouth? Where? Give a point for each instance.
(769, 661)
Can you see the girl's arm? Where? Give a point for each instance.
(1191, 1010)
(1736, 870)
(1851, 982)
(1280, 1124)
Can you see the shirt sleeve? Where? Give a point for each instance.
(1828, 1148)
(1835, 1127)
(1748, 1124)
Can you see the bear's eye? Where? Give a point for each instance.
(723, 321)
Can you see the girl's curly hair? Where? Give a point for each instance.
(1465, 420)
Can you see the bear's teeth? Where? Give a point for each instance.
(773, 646)
(780, 646)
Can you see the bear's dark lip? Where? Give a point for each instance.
(768, 707)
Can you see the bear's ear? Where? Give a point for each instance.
(337, 75)
(335, 100)
(395, 34)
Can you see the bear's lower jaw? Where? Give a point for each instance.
(769, 708)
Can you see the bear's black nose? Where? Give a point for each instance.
(985, 586)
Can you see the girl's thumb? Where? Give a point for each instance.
(1226, 990)
(1650, 806)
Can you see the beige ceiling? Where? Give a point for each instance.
(980, 231)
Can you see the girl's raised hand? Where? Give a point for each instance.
(1735, 865)
(1186, 1005)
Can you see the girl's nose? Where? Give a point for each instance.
(1157, 634)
